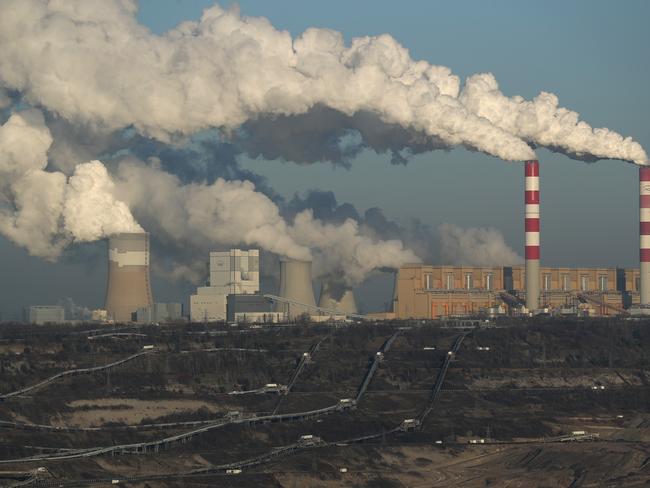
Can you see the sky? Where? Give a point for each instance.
(592, 54)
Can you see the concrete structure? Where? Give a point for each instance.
(231, 272)
(235, 271)
(295, 284)
(128, 285)
(434, 291)
(339, 298)
(160, 312)
(45, 314)
(207, 305)
(251, 308)
(258, 317)
(531, 223)
(644, 235)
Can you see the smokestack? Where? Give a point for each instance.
(295, 284)
(128, 285)
(340, 299)
(644, 235)
(532, 234)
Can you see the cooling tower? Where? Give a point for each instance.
(532, 234)
(295, 284)
(128, 285)
(644, 235)
(338, 298)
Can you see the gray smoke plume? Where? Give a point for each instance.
(447, 244)
(5, 99)
(74, 311)
(324, 134)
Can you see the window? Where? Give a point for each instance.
(427, 281)
(489, 278)
(547, 282)
(566, 282)
(602, 282)
(637, 284)
(584, 283)
(449, 281)
(468, 281)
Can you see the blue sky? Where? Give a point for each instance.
(593, 54)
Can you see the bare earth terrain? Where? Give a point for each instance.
(549, 404)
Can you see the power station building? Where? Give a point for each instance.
(44, 314)
(160, 312)
(233, 272)
(251, 308)
(429, 292)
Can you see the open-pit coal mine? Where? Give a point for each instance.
(535, 402)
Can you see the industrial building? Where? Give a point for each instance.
(128, 287)
(159, 312)
(44, 314)
(252, 309)
(429, 292)
(631, 289)
(233, 272)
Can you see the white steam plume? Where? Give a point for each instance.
(225, 212)
(475, 247)
(543, 123)
(24, 141)
(90, 65)
(91, 212)
(5, 100)
(232, 212)
(44, 211)
(345, 249)
(90, 61)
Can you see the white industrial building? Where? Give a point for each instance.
(45, 314)
(233, 272)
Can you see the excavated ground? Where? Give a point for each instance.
(518, 386)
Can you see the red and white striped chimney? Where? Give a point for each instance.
(532, 234)
(644, 234)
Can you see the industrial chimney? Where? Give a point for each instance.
(128, 285)
(532, 234)
(644, 235)
(338, 298)
(295, 285)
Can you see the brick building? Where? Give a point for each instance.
(433, 291)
